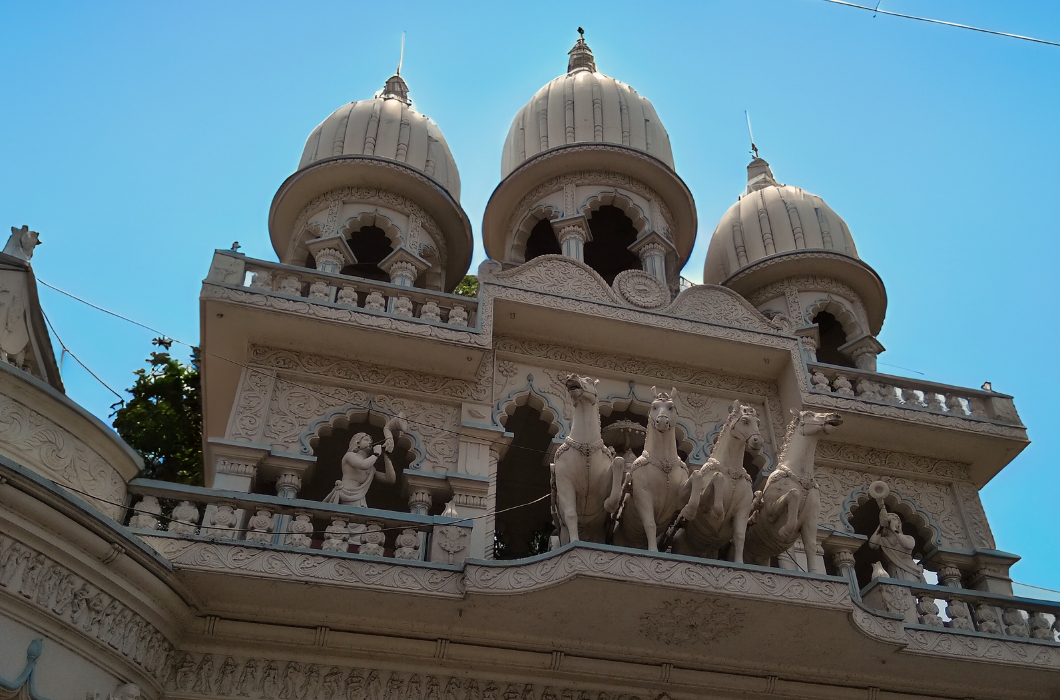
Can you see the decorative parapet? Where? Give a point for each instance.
(891, 396)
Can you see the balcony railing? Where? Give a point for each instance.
(964, 610)
(383, 298)
(270, 521)
(974, 404)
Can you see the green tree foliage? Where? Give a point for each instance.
(163, 420)
(468, 286)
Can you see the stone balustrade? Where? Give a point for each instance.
(173, 510)
(413, 303)
(974, 404)
(964, 610)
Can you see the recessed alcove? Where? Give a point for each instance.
(541, 241)
(608, 252)
(370, 246)
(522, 476)
(865, 518)
(831, 338)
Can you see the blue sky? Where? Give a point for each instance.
(138, 137)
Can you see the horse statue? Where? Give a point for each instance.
(654, 479)
(719, 494)
(789, 504)
(582, 469)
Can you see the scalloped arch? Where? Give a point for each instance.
(521, 233)
(838, 308)
(615, 198)
(373, 218)
(909, 510)
(631, 402)
(529, 395)
(341, 418)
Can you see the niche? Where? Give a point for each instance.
(608, 252)
(865, 519)
(832, 337)
(541, 241)
(522, 476)
(370, 246)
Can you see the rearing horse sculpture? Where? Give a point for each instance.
(656, 479)
(789, 504)
(582, 469)
(719, 494)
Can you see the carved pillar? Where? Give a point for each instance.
(331, 254)
(288, 485)
(863, 351)
(841, 547)
(844, 564)
(950, 576)
(491, 502)
(419, 501)
(652, 249)
(404, 267)
(474, 484)
(572, 240)
(403, 274)
(809, 337)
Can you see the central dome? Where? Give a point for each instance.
(584, 106)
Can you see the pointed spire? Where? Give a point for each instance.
(396, 88)
(759, 175)
(581, 56)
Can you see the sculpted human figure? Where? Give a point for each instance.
(359, 466)
(896, 548)
(788, 506)
(583, 468)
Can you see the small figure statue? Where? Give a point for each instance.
(358, 465)
(895, 546)
(22, 243)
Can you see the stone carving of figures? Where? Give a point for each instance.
(226, 676)
(291, 285)
(185, 673)
(332, 685)
(819, 382)
(185, 516)
(843, 387)
(347, 295)
(788, 506)
(32, 575)
(9, 561)
(896, 547)
(135, 642)
(408, 545)
(336, 536)
(312, 680)
(117, 634)
(300, 530)
(150, 655)
(270, 680)
(490, 691)
(458, 316)
(245, 682)
(261, 280)
(403, 306)
(354, 684)
(412, 691)
(431, 691)
(64, 593)
(320, 290)
(259, 526)
(430, 311)
(359, 465)
(79, 605)
(583, 469)
(21, 243)
(289, 682)
(452, 688)
(471, 690)
(375, 301)
(510, 693)
(203, 674)
(103, 612)
(528, 692)
(547, 694)
(656, 477)
(393, 687)
(48, 585)
(146, 514)
(373, 687)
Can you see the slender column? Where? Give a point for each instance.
(287, 486)
(403, 274)
(329, 260)
(844, 564)
(653, 261)
(491, 502)
(950, 576)
(420, 504)
(572, 240)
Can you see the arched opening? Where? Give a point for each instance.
(541, 241)
(624, 430)
(831, 338)
(608, 252)
(331, 448)
(369, 245)
(865, 519)
(522, 476)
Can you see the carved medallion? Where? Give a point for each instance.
(687, 621)
(641, 289)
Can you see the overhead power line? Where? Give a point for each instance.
(876, 10)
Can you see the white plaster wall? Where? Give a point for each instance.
(61, 674)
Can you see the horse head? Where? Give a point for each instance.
(663, 413)
(745, 426)
(581, 388)
(811, 423)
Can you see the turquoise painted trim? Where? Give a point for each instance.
(26, 678)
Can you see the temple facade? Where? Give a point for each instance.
(587, 479)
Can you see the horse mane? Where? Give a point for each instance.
(792, 426)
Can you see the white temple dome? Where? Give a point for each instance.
(386, 127)
(584, 106)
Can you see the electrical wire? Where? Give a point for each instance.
(71, 354)
(877, 10)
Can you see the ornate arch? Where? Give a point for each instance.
(373, 218)
(539, 401)
(341, 418)
(838, 308)
(615, 198)
(909, 510)
(517, 248)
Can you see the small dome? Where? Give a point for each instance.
(386, 127)
(771, 219)
(584, 106)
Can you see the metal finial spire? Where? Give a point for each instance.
(581, 33)
(754, 148)
(401, 58)
(581, 56)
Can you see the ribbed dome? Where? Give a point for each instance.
(584, 106)
(386, 127)
(770, 219)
